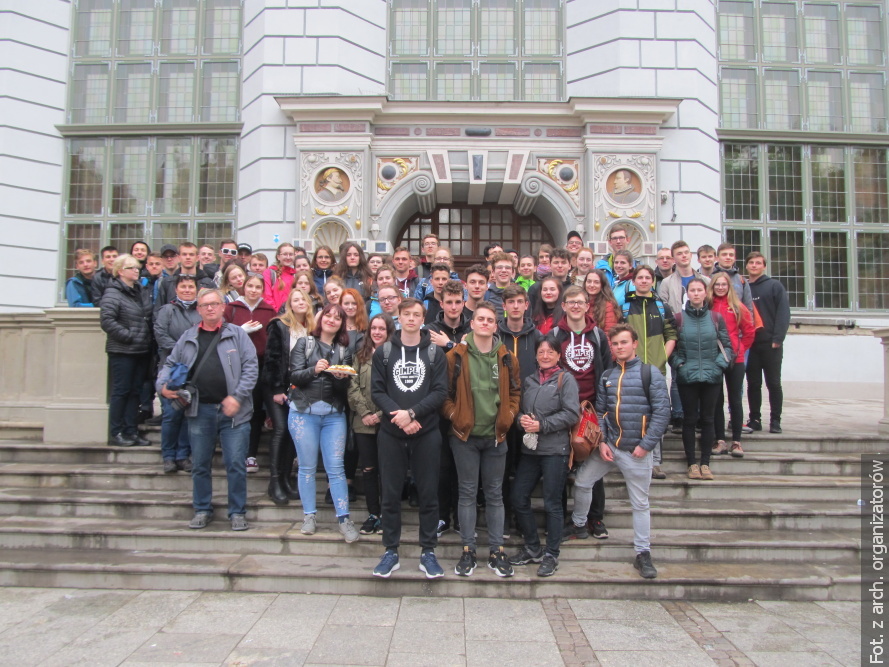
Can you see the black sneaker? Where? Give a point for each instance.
(548, 566)
(599, 531)
(353, 495)
(467, 563)
(574, 532)
(643, 564)
(442, 528)
(676, 425)
(526, 556)
(184, 465)
(169, 466)
(754, 424)
(121, 440)
(499, 563)
(371, 525)
(775, 427)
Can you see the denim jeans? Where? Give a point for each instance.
(553, 469)
(488, 457)
(637, 475)
(127, 373)
(203, 430)
(326, 433)
(175, 443)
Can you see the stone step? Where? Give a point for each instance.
(669, 514)
(725, 486)
(21, 431)
(768, 463)
(143, 570)
(670, 545)
(799, 442)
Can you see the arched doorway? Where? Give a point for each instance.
(466, 230)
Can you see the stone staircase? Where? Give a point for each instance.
(782, 523)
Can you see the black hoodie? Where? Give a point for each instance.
(770, 299)
(522, 345)
(409, 381)
(454, 334)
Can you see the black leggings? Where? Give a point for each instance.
(279, 414)
(698, 398)
(734, 380)
(366, 445)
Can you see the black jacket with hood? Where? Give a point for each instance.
(523, 345)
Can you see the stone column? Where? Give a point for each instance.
(883, 335)
(77, 410)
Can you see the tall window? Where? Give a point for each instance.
(823, 230)
(812, 66)
(174, 64)
(476, 50)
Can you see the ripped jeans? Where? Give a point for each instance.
(322, 429)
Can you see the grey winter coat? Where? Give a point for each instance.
(238, 356)
(672, 293)
(557, 409)
(171, 321)
(126, 318)
(697, 357)
(626, 416)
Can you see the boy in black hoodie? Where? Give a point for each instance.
(409, 384)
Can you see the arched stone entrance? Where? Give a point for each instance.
(466, 230)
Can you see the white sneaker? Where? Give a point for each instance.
(252, 465)
(308, 525)
(349, 531)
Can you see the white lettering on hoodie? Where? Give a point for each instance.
(409, 375)
(579, 353)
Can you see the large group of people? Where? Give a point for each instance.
(450, 392)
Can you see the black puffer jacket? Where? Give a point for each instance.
(101, 280)
(522, 345)
(126, 318)
(310, 388)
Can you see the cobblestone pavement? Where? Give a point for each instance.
(67, 627)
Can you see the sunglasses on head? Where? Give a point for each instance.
(228, 251)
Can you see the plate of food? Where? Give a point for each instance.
(340, 368)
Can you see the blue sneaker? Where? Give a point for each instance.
(429, 565)
(387, 565)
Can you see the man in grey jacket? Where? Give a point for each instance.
(633, 418)
(223, 405)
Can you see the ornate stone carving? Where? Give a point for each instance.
(565, 173)
(624, 187)
(332, 184)
(530, 189)
(391, 170)
(424, 188)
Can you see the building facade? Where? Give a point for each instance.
(314, 121)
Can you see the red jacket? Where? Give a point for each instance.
(276, 284)
(742, 333)
(238, 313)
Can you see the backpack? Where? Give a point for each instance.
(387, 350)
(646, 379)
(625, 308)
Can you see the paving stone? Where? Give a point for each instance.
(615, 636)
(798, 613)
(660, 658)
(151, 609)
(769, 641)
(259, 657)
(96, 648)
(226, 601)
(225, 623)
(505, 620)
(782, 659)
(486, 653)
(425, 660)
(631, 610)
(430, 609)
(351, 645)
(186, 648)
(445, 637)
(361, 610)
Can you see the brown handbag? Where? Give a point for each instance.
(587, 436)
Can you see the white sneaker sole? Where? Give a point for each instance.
(386, 575)
(430, 576)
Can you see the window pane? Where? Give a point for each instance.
(779, 36)
(169, 232)
(89, 94)
(782, 107)
(132, 93)
(212, 233)
(220, 100)
(741, 174)
(745, 241)
(135, 36)
(868, 106)
(92, 28)
(176, 92)
(497, 27)
(787, 264)
(543, 82)
(873, 270)
(408, 81)
(172, 183)
(453, 35)
(864, 31)
(86, 176)
(828, 184)
(222, 26)
(870, 185)
(217, 176)
(409, 27)
(122, 235)
(738, 88)
(825, 93)
(736, 31)
(831, 270)
(497, 81)
(785, 183)
(822, 31)
(179, 28)
(129, 179)
(542, 19)
(453, 81)
(80, 235)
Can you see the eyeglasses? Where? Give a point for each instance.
(215, 304)
(387, 299)
(575, 304)
(228, 251)
(138, 268)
